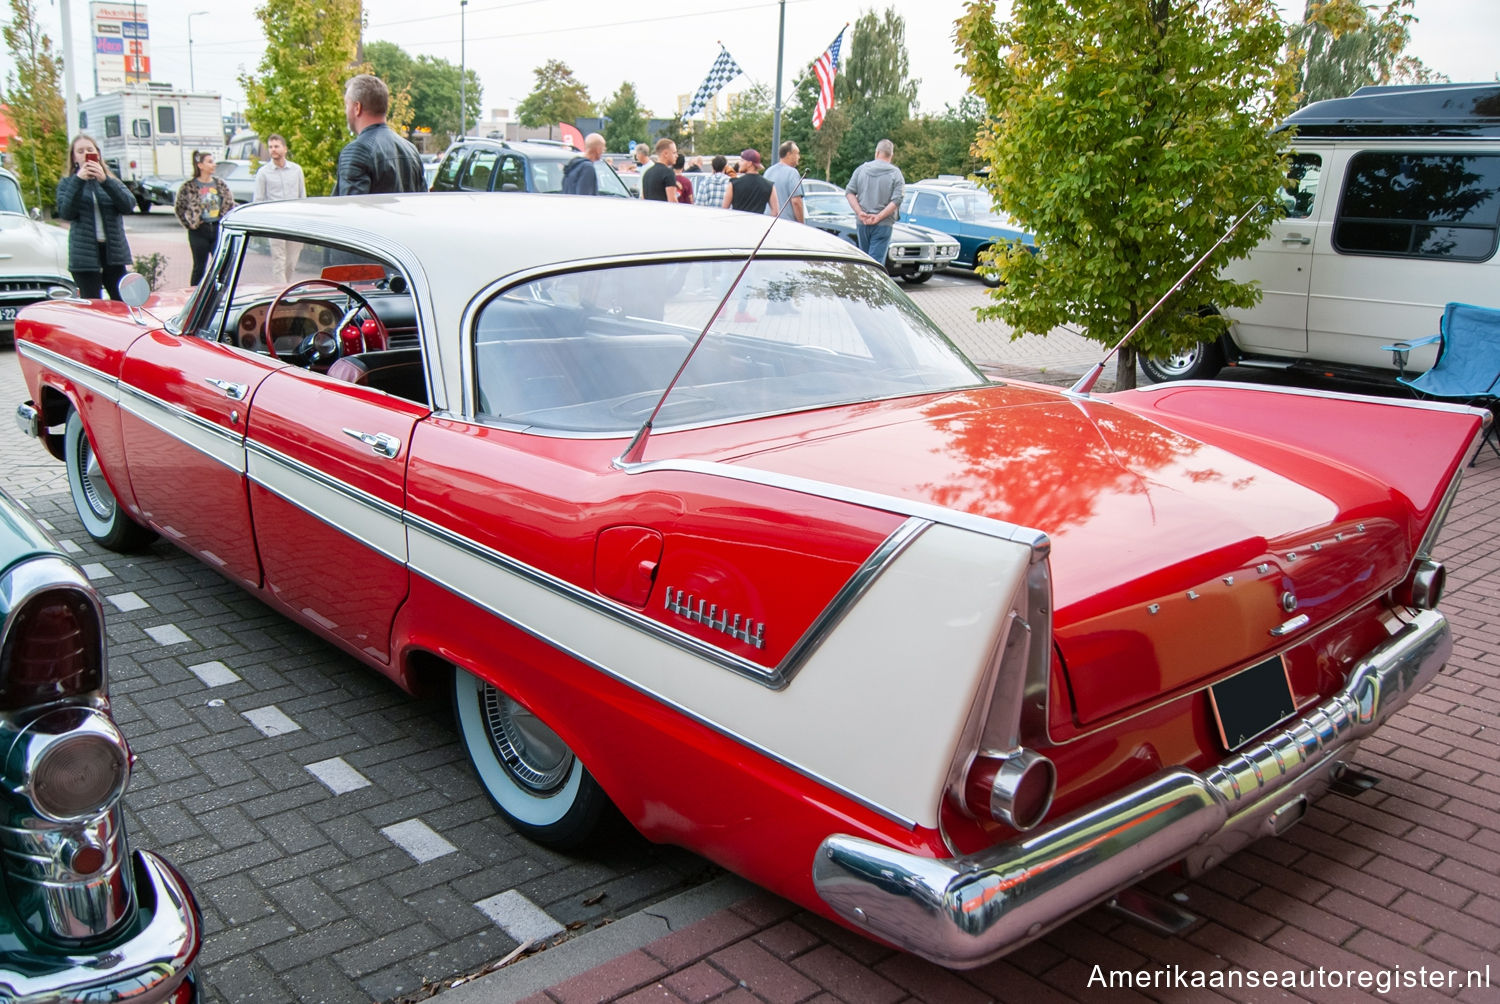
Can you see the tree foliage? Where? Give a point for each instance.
(818, 145)
(431, 86)
(625, 119)
(557, 97)
(929, 145)
(33, 90)
(877, 92)
(748, 124)
(1348, 45)
(299, 89)
(1127, 134)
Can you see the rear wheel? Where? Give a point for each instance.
(143, 202)
(102, 516)
(1197, 362)
(917, 278)
(530, 774)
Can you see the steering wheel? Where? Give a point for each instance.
(348, 291)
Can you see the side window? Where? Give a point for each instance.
(476, 176)
(111, 126)
(166, 119)
(1407, 205)
(1300, 191)
(928, 204)
(140, 128)
(512, 176)
(446, 179)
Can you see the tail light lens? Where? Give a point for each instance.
(53, 649)
(1015, 789)
(1423, 586)
(74, 763)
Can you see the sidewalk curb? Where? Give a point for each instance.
(571, 958)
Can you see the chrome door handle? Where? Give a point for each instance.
(233, 391)
(1296, 239)
(382, 443)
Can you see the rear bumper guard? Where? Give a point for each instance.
(966, 911)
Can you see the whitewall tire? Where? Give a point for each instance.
(102, 516)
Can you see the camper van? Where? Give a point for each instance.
(152, 131)
(1392, 211)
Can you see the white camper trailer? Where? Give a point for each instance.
(152, 130)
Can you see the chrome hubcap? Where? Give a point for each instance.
(535, 755)
(1180, 361)
(91, 479)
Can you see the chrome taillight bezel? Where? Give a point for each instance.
(34, 582)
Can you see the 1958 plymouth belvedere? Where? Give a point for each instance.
(82, 918)
(740, 545)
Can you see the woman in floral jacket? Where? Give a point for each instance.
(202, 202)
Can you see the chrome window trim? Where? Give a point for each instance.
(95, 380)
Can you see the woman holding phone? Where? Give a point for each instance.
(94, 202)
(202, 202)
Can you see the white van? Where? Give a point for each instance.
(1393, 211)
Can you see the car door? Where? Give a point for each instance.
(185, 403)
(1282, 264)
(479, 171)
(930, 209)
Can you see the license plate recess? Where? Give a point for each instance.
(1251, 702)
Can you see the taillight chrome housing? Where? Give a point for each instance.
(1423, 586)
(70, 763)
(53, 648)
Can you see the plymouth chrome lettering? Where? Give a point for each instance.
(680, 602)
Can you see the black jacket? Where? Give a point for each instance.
(75, 203)
(379, 160)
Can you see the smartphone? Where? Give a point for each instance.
(91, 156)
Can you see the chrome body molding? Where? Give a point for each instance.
(29, 419)
(372, 521)
(146, 968)
(1037, 540)
(680, 602)
(85, 376)
(213, 441)
(965, 911)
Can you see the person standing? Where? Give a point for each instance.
(642, 156)
(750, 192)
(202, 202)
(377, 160)
(684, 183)
(581, 176)
(874, 192)
(95, 202)
(660, 182)
(788, 180)
(279, 181)
(711, 187)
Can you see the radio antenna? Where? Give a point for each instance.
(1087, 381)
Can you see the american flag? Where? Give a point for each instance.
(826, 68)
(722, 72)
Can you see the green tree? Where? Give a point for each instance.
(299, 89)
(818, 145)
(557, 97)
(625, 119)
(876, 90)
(431, 86)
(748, 124)
(33, 90)
(1126, 134)
(941, 144)
(1348, 45)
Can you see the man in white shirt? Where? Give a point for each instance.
(277, 181)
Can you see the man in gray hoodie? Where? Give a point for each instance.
(874, 192)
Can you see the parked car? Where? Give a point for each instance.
(496, 165)
(632, 182)
(85, 918)
(158, 191)
(699, 554)
(33, 256)
(915, 252)
(1392, 211)
(815, 186)
(969, 215)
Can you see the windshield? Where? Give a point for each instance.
(592, 351)
(826, 204)
(10, 197)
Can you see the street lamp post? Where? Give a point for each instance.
(463, 74)
(192, 77)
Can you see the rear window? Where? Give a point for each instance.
(1420, 206)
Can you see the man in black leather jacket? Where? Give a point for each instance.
(378, 159)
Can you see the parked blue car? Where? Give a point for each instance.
(968, 214)
(82, 917)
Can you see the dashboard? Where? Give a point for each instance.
(293, 322)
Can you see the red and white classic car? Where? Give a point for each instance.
(742, 546)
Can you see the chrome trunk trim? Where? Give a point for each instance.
(966, 911)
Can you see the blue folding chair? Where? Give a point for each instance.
(1468, 362)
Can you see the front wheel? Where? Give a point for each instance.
(101, 514)
(530, 774)
(917, 278)
(1200, 361)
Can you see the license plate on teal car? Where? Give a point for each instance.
(1252, 701)
(8, 313)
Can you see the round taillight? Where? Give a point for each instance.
(73, 761)
(53, 650)
(1015, 789)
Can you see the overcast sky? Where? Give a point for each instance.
(665, 50)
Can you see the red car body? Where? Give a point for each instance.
(949, 664)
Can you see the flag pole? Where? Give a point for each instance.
(776, 121)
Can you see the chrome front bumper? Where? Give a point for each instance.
(964, 912)
(148, 967)
(29, 419)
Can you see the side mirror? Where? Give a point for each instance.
(35, 213)
(134, 289)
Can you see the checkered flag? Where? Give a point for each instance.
(722, 72)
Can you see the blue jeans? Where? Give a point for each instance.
(875, 241)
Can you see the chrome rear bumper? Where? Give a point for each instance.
(29, 419)
(964, 912)
(145, 968)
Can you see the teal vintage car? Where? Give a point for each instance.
(969, 215)
(82, 917)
